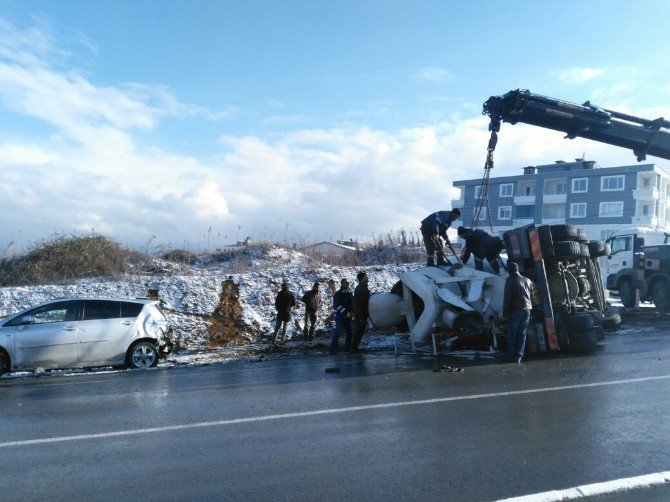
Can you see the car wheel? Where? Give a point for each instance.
(5, 365)
(660, 295)
(142, 355)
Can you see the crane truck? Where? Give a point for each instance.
(455, 307)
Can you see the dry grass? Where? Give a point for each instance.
(65, 259)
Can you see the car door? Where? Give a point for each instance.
(103, 333)
(46, 336)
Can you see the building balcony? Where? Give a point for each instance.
(646, 193)
(554, 198)
(648, 220)
(520, 222)
(553, 221)
(524, 200)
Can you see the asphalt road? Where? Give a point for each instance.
(382, 428)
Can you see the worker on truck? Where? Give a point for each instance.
(433, 227)
(483, 245)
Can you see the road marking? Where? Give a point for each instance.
(616, 485)
(326, 411)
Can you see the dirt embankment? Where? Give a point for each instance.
(226, 325)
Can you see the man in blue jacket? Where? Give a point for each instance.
(343, 303)
(433, 227)
(483, 245)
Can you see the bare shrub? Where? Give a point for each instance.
(68, 258)
(180, 256)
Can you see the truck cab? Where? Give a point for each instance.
(626, 267)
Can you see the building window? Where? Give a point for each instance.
(506, 189)
(611, 209)
(505, 213)
(525, 212)
(580, 185)
(578, 210)
(611, 183)
(553, 211)
(478, 192)
(555, 187)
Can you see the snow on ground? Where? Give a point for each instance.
(188, 299)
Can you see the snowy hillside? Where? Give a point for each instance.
(216, 313)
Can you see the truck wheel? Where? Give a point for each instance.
(583, 341)
(563, 233)
(596, 248)
(567, 249)
(584, 249)
(580, 322)
(660, 295)
(612, 321)
(581, 235)
(626, 293)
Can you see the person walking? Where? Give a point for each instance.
(517, 305)
(433, 227)
(312, 301)
(342, 305)
(483, 245)
(284, 303)
(361, 313)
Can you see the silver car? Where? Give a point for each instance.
(85, 332)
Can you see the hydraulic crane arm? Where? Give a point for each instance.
(643, 136)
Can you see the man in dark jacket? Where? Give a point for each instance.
(342, 305)
(433, 227)
(361, 299)
(517, 305)
(312, 301)
(483, 245)
(284, 302)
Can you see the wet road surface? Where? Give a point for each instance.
(381, 428)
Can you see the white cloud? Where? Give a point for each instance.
(579, 75)
(432, 74)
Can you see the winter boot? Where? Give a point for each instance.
(441, 262)
(430, 262)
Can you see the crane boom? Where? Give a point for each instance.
(642, 136)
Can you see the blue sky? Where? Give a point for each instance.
(158, 120)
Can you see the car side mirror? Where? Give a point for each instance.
(26, 320)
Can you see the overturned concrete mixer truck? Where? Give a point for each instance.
(459, 307)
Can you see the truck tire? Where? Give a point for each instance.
(626, 292)
(581, 235)
(660, 295)
(584, 249)
(596, 248)
(567, 249)
(612, 321)
(582, 321)
(583, 341)
(561, 233)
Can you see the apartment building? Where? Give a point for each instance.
(600, 200)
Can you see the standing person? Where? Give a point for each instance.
(361, 299)
(284, 303)
(483, 245)
(516, 307)
(312, 301)
(433, 227)
(342, 305)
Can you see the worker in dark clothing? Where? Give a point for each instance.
(517, 305)
(342, 305)
(483, 245)
(312, 301)
(284, 303)
(433, 227)
(361, 299)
